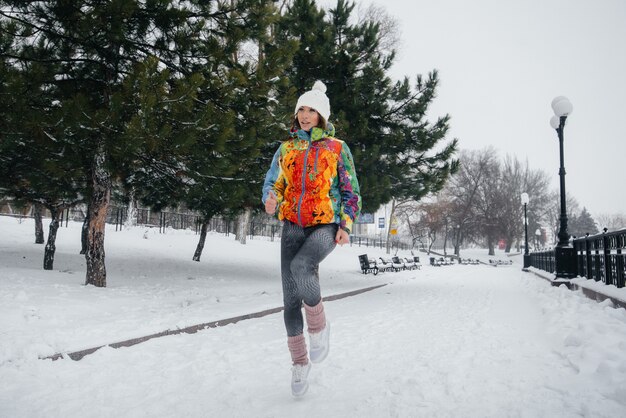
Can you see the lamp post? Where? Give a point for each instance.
(525, 201)
(564, 254)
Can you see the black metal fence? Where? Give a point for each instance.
(162, 219)
(599, 257)
(378, 242)
(543, 260)
(165, 220)
(259, 226)
(265, 229)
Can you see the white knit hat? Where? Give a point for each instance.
(315, 98)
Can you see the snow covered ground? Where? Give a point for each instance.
(454, 341)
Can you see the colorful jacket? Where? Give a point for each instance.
(314, 180)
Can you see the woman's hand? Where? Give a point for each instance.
(342, 237)
(270, 203)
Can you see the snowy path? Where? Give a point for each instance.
(444, 345)
(457, 341)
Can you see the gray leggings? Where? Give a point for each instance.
(301, 251)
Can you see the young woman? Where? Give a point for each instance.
(313, 185)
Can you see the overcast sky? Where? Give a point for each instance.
(500, 65)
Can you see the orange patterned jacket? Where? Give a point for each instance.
(314, 180)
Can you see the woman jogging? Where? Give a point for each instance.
(312, 183)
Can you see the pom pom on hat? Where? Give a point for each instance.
(315, 98)
(319, 85)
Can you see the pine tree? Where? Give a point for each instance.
(167, 119)
(384, 123)
(229, 183)
(39, 165)
(138, 84)
(582, 224)
(260, 124)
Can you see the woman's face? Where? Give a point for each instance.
(308, 118)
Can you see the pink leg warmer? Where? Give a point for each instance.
(315, 317)
(297, 348)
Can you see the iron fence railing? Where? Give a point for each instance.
(378, 242)
(180, 220)
(162, 219)
(259, 225)
(599, 257)
(543, 260)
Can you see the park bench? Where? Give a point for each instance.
(416, 260)
(446, 261)
(398, 264)
(468, 261)
(387, 265)
(411, 264)
(441, 261)
(367, 265)
(497, 263)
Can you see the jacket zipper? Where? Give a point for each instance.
(306, 157)
(317, 153)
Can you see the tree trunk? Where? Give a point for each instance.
(432, 239)
(244, 223)
(38, 224)
(48, 257)
(84, 235)
(391, 217)
(490, 245)
(200, 246)
(131, 213)
(96, 270)
(413, 234)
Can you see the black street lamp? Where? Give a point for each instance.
(564, 253)
(525, 201)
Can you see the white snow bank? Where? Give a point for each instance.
(455, 341)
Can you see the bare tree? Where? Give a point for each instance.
(431, 219)
(389, 29)
(484, 198)
(411, 214)
(466, 190)
(554, 212)
(518, 178)
(611, 221)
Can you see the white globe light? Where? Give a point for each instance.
(525, 199)
(562, 106)
(554, 122)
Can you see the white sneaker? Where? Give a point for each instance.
(320, 344)
(299, 382)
